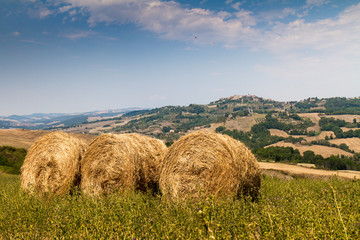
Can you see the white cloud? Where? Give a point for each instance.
(74, 35)
(316, 3)
(229, 1)
(171, 20)
(44, 13)
(16, 34)
(275, 15)
(237, 5)
(340, 33)
(65, 8)
(32, 41)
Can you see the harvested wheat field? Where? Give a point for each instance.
(294, 170)
(317, 149)
(345, 129)
(279, 133)
(321, 136)
(203, 163)
(314, 117)
(52, 164)
(353, 143)
(346, 117)
(20, 138)
(116, 162)
(23, 138)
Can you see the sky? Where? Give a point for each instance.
(83, 55)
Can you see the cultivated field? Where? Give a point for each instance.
(297, 170)
(279, 133)
(314, 117)
(317, 149)
(346, 118)
(353, 143)
(321, 136)
(244, 123)
(21, 138)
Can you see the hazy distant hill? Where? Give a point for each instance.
(48, 120)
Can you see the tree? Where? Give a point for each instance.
(220, 129)
(309, 156)
(166, 129)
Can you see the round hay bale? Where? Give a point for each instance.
(204, 163)
(52, 164)
(121, 162)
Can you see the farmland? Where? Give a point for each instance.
(287, 209)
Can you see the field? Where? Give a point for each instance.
(317, 149)
(287, 209)
(308, 171)
(353, 143)
(21, 138)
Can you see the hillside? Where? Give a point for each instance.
(324, 126)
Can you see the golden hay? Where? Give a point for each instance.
(121, 162)
(52, 164)
(204, 163)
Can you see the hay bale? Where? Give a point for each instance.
(121, 162)
(203, 163)
(52, 164)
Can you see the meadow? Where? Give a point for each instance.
(301, 208)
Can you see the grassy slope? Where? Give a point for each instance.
(293, 209)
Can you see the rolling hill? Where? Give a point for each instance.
(324, 126)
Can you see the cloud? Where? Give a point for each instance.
(65, 8)
(44, 13)
(16, 34)
(173, 21)
(237, 5)
(169, 19)
(32, 41)
(74, 35)
(317, 3)
(342, 32)
(275, 15)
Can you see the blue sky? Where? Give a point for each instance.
(83, 55)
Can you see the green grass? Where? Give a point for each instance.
(293, 209)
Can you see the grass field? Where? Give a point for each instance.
(286, 209)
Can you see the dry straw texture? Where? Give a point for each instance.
(121, 162)
(52, 164)
(203, 163)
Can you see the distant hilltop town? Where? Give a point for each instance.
(249, 96)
